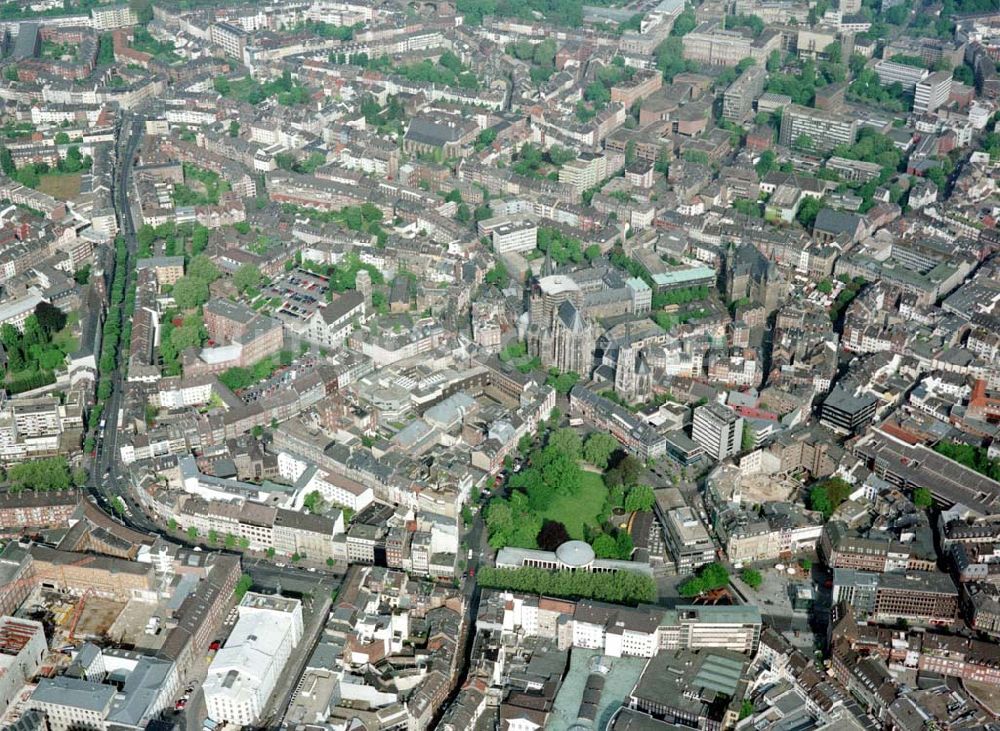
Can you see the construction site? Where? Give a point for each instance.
(71, 619)
(110, 622)
(79, 598)
(761, 488)
(76, 618)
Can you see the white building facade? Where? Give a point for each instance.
(245, 671)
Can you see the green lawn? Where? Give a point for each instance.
(581, 509)
(200, 187)
(61, 186)
(144, 42)
(65, 340)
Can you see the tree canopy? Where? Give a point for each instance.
(567, 441)
(826, 496)
(615, 547)
(562, 382)
(553, 470)
(709, 577)
(808, 210)
(922, 498)
(552, 535)
(622, 587)
(313, 502)
(247, 278)
(33, 355)
(242, 586)
(190, 292)
(41, 475)
(624, 473)
(640, 498)
(512, 523)
(752, 578)
(497, 276)
(598, 449)
(562, 248)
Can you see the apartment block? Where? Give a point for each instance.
(843, 549)
(641, 295)
(890, 72)
(737, 101)
(584, 172)
(931, 92)
(167, 269)
(824, 129)
(111, 17)
(15, 311)
(36, 509)
(781, 531)
(515, 236)
(39, 427)
(854, 170)
(930, 50)
(718, 430)
(230, 38)
(641, 85)
(635, 434)
(330, 325)
(70, 703)
(226, 321)
(847, 410)
(856, 588)
(692, 627)
(619, 631)
(86, 697)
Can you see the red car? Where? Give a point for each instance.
(215, 645)
(179, 705)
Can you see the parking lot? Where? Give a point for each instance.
(295, 296)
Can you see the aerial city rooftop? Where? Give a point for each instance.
(486, 365)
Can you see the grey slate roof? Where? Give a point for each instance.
(430, 132)
(571, 317)
(65, 691)
(836, 222)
